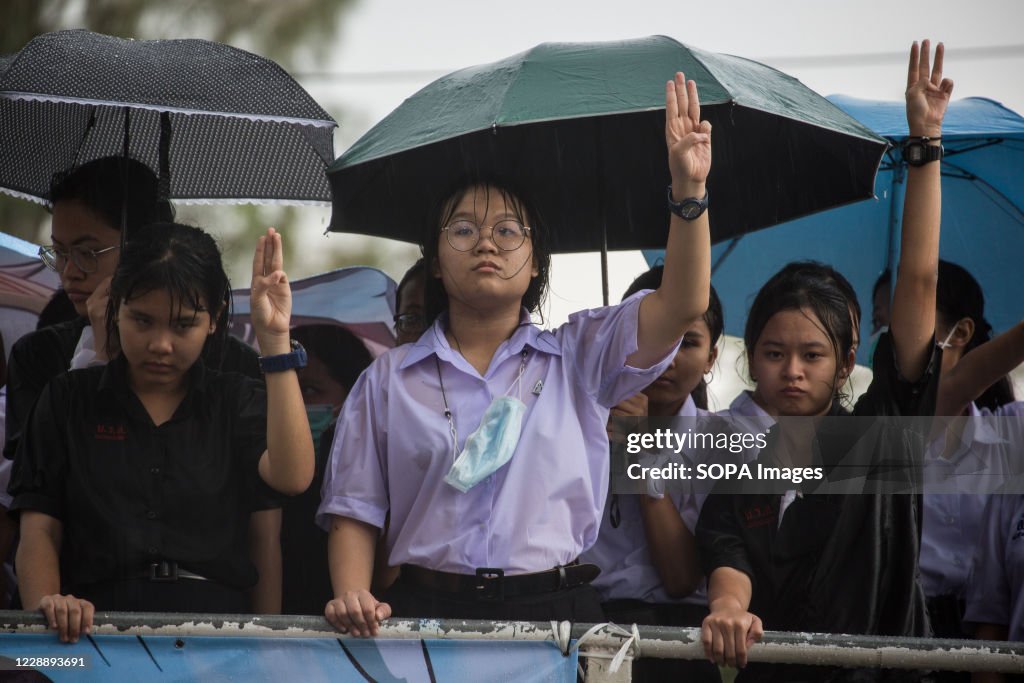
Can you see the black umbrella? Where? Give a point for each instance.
(217, 124)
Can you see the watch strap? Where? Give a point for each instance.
(294, 359)
(688, 209)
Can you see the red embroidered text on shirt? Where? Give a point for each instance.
(111, 433)
(759, 515)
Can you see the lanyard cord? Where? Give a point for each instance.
(447, 410)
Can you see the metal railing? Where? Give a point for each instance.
(600, 645)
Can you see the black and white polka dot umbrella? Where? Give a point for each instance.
(234, 126)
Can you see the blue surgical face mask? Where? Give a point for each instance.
(490, 446)
(319, 417)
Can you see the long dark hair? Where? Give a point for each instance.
(957, 296)
(435, 296)
(714, 318)
(817, 287)
(110, 186)
(184, 261)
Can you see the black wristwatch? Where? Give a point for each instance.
(295, 359)
(690, 208)
(917, 151)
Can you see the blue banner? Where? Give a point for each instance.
(215, 658)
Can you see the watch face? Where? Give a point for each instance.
(915, 152)
(690, 209)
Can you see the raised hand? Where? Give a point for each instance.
(271, 295)
(688, 138)
(928, 92)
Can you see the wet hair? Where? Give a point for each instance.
(435, 296)
(182, 260)
(813, 286)
(342, 352)
(416, 270)
(714, 318)
(958, 295)
(57, 310)
(111, 185)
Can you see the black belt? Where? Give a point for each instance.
(165, 571)
(491, 583)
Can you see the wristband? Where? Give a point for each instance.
(295, 359)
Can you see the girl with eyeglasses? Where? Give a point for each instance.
(485, 439)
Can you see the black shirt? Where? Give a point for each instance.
(129, 492)
(836, 563)
(40, 356)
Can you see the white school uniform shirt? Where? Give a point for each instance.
(995, 590)
(627, 570)
(992, 446)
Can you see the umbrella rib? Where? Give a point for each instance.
(317, 123)
(967, 175)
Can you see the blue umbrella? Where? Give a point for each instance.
(360, 298)
(982, 216)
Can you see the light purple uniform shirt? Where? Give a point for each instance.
(995, 592)
(393, 447)
(952, 521)
(627, 570)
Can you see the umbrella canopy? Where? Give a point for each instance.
(360, 298)
(580, 128)
(982, 217)
(233, 126)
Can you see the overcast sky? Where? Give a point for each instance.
(388, 49)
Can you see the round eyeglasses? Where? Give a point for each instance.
(85, 259)
(410, 323)
(506, 235)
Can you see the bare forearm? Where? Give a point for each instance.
(913, 306)
(980, 369)
(350, 552)
(265, 553)
(671, 546)
(38, 566)
(290, 458)
(728, 587)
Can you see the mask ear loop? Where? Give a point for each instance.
(448, 413)
(944, 344)
(518, 383)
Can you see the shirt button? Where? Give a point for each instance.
(150, 514)
(154, 470)
(951, 520)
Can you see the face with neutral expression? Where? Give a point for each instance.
(76, 225)
(692, 361)
(318, 387)
(161, 339)
(484, 275)
(794, 365)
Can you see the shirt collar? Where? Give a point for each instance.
(433, 341)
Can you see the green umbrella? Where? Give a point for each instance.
(580, 127)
